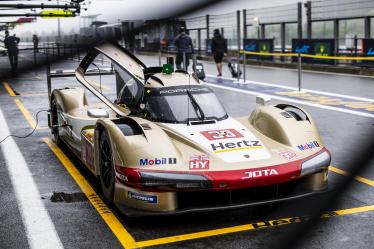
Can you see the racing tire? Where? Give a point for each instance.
(107, 173)
(54, 122)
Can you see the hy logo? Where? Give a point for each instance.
(199, 162)
(303, 49)
(250, 47)
(371, 51)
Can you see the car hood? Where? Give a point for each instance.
(228, 152)
(227, 140)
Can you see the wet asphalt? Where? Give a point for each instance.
(79, 225)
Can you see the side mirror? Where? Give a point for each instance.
(97, 113)
(262, 100)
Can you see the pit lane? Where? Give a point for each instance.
(83, 224)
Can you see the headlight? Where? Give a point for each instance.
(316, 163)
(173, 181)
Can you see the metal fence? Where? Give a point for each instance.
(278, 22)
(201, 29)
(197, 27)
(345, 21)
(342, 20)
(227, 24)
(341, 9)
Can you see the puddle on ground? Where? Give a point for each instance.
(65, 197)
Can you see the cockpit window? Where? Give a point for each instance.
(182, 104)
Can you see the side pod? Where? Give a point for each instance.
(286, 124)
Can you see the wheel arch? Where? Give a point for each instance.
(69, 98)
(288, 128)
(119, 133)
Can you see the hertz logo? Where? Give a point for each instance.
(225, 147)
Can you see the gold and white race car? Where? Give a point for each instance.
(166, 145)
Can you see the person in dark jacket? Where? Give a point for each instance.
(184, 45)
(35, 40)
(11, 44)
(219, 50)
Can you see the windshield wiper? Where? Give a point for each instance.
(196, 106)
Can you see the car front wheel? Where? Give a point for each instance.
(55, 122)
(106, 167)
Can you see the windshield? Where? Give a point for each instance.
(182, 104)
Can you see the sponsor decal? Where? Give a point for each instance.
(87, 152)
(184, 90)
(303, 49)
(287, 221)
(241, 145)
(308, 146)
(157, 161)
(142, 197)
(221, 134)
(122, 177)
(288, 154)
(260, 173)
(199, 162)
(371, 51)
(250, 47)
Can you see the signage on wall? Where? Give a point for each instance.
(321, 47)
(259, 45)
(368, 49)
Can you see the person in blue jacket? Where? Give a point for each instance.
(184, 45)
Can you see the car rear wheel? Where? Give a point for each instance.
(106, 167)
(54, 122)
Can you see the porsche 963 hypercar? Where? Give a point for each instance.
(166, 145)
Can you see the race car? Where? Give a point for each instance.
(166, 145)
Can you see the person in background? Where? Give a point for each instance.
(11, 44)
(184, 46)
(219, 49)
(35, 40)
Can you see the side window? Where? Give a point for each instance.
(129, 90)
(100, 75)
(113, 81)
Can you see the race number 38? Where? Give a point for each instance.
(221, 134)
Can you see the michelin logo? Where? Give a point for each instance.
(141, 197)
(308, 146)
(158, 161)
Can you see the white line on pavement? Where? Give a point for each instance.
(40, 231)
(363, 114)
(295, 70)
(306, 90)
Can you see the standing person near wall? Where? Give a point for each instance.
(11, 44)
(184, 46)
(35, 40)
(219, 49)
